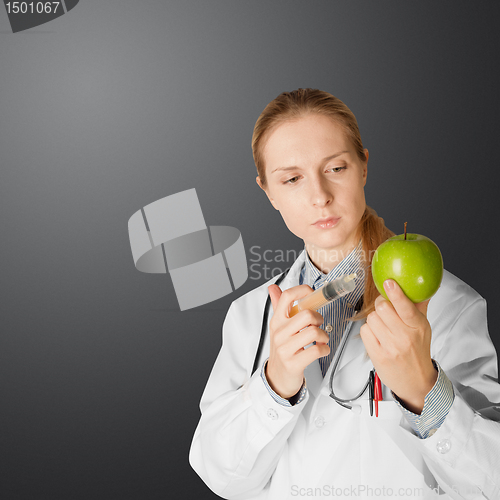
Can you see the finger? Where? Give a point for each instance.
(379, 300)
(403, 306)
(388, 315)
(306, 337)
(289, 296)
(275, 294)
(290, 327)
(370, 341)
(305, 318)
(306, 356)
(379, 329)
(422, 307)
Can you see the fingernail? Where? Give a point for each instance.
(388, 285)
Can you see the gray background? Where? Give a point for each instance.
(120, 103)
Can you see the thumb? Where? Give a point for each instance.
(275, 294)
(422, 306)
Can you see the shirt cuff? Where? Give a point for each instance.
(437, 404)
(294, 400)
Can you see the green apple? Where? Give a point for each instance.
(413, 261)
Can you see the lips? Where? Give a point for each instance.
(326, 223)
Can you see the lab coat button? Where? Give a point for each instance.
(319, 422)
(443, 446)
(272, 414)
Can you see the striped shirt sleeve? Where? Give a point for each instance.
(437, 404)
(294, 400)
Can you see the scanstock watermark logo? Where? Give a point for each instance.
(26, 15)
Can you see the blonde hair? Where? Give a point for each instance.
(294, 105)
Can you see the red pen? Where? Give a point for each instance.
(377, 393)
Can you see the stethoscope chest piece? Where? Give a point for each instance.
(357, 409)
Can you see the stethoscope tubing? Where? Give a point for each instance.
(263, 329)
(336, 360)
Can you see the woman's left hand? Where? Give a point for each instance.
(397, 337)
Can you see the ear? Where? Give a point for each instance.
(365, 167)
(266, 191)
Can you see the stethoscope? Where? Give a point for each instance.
(336, 360)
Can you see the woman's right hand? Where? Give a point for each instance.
(288, 337)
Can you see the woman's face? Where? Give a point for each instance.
(314, 173)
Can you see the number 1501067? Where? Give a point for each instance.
(32, 7)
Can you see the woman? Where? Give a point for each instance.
(275, 433)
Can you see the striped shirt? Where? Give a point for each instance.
(336, 316)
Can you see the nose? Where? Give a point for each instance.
(321, 194)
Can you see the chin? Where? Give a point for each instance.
(336, 239)
(328, 243)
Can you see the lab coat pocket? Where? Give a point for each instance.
(388, 410)
(392, 444)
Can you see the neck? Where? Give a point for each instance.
(327, 259)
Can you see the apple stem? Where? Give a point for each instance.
(405, 229)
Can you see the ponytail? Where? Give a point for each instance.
(373, 233)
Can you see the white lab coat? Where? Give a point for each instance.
(248, 446)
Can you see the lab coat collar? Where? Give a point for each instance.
(292, 278)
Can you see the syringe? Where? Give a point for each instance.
(327, 293)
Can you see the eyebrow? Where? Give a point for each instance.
(294, 167)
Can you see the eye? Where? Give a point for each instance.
(289, 181)
(293, 180)
(338, 169)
